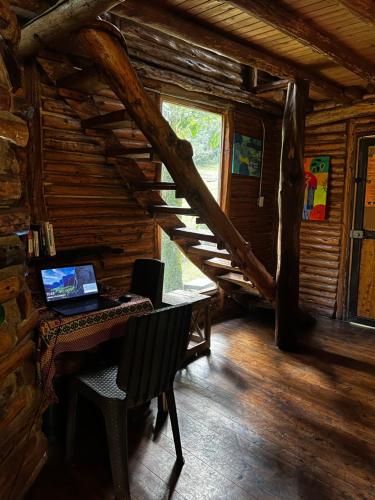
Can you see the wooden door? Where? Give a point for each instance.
(362, 287)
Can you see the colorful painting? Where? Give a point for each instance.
(316, 187)
(247, 155)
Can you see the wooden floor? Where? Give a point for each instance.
(255, 423)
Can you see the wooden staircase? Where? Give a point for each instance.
(220, 252)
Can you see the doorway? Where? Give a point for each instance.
(204, 130)
(362, 279)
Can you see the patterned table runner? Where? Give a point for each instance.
(58, 334)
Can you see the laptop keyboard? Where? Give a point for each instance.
(86, 306)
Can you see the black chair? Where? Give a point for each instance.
(147, 280)
(153, 348)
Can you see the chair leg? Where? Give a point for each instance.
(71, 422)
(175, 429)
(115, 416)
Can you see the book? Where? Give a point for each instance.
(51, 239)
(36, 243)
(29, 244)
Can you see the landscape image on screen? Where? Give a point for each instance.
(69, 282)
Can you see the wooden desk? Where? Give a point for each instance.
(200, 338)
(58, 334)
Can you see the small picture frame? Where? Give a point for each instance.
(247, 155)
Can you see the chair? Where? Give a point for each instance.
(153, 348)
(147, 280)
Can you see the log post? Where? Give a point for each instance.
(109, 53)
(291, 192)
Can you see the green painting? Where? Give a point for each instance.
(247, 155)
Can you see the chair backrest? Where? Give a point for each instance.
(147, 280)
(153, 348)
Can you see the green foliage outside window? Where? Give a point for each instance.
(204, 131)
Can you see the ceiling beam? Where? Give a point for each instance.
(269, 87)
(162, 19)
(59, 22)
(365, 9)
(306, 32)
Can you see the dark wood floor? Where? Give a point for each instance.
(255, 423)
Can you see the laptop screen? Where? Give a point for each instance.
(63, 283)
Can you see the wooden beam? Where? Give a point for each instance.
(110, 55)
(110, 121)
(271, 86)
(338, 114)
(60, 21)
(365, 9)
(159, 18)
(195, 85)
(306, 32)
(291, 193)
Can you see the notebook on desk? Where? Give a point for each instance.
(73, 290)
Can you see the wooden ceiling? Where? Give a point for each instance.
(329, 42)
(330, 16)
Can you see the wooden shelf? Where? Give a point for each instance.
(73, 253)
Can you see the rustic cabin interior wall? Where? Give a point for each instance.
(22, 443)
(81, 193)
(325, 256)
(88, 204)
(258, 224)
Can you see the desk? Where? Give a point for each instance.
(58, 334)
(200, 340)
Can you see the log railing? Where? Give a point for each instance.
(108, 50)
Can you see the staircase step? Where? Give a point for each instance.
(110, 121)
(220, 263)
(154, 186)
(170, 209)
(209, 251)
(237, 279)
(88, 80)
(134, 153)
(191, 234)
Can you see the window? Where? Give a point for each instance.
(203, 130)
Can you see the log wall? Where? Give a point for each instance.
(22, 444)
(81, 193)
(257, 224)
(92, 214)
(321, 240)
(325, 244)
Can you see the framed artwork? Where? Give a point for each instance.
(316, 188)
(247, 155)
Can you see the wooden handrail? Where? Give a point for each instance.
(110, 54)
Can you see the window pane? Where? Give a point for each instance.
(204, 131)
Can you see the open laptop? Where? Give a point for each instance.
(73, 290)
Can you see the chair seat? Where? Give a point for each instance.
(103, 382)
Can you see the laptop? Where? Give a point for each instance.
(73, 290)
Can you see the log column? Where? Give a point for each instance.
(291, 193)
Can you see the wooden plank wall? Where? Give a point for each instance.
(321, 240)
(83, 195)
(257, 224)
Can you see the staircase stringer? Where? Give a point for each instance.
(109, 53)
(84, 106)
(166, 223)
